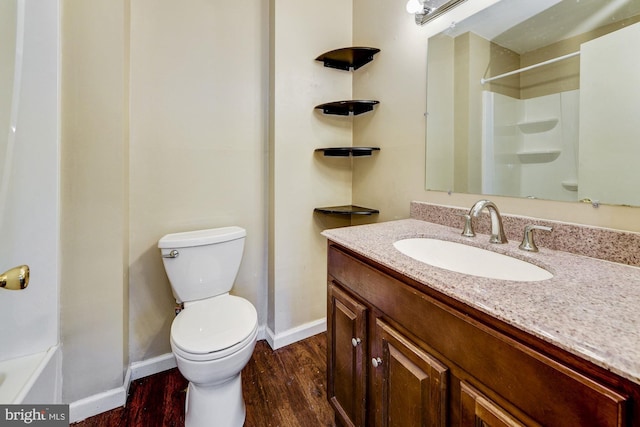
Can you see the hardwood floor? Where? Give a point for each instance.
(282, 388)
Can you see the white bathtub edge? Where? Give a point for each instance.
(44, 384)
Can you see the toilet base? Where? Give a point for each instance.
(221, 405)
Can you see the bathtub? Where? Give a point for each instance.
(31, 379)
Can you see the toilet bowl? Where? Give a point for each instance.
(212, 341)
(213, 337)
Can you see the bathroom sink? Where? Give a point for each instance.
(470, 260)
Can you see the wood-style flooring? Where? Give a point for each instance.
(282, 388)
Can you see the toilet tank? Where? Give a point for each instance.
(202, 263)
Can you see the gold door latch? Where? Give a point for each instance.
(15, 279)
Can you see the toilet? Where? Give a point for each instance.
(213, 337)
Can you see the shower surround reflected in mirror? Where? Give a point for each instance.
(537, 99)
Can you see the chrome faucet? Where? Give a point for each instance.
(497, 231)
(528, 244)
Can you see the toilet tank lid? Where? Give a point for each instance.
(201, 237)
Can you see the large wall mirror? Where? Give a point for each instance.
(537, 99)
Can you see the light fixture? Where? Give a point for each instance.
(426, 10)
(415, 6)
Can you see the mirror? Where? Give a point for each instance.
(537, 99)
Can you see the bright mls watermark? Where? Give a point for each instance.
(34, 415)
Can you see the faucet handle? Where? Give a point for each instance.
(528, 244)
(467, 231)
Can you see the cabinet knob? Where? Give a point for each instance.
(376, 361)
(355, 341)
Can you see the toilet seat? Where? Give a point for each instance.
(214, 328)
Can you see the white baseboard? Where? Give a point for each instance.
(296, 334)
(117, 397)
(262, 333)
(144, 368)
(101, 402)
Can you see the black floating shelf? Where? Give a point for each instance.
(348, 57)
(347, 210)
(344, 108)
(348, 151)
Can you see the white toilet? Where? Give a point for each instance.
(214, 335)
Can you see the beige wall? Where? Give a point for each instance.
(300, 179)
(396, 78)
(474, 54)
(181, 146)
(440, 86)
(94, 204)
(503, 60)
(198, 146)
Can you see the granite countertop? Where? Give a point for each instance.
(590, 307)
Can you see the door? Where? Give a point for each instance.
(479, 411)
(29, 175)
(411, 385)
(346, 357)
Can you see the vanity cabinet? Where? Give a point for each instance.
(409, 385)
(402, 354)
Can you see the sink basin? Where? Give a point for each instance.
(470, 260)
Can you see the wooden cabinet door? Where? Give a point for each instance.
(411, 385)
(476, 410)
(346, 357)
